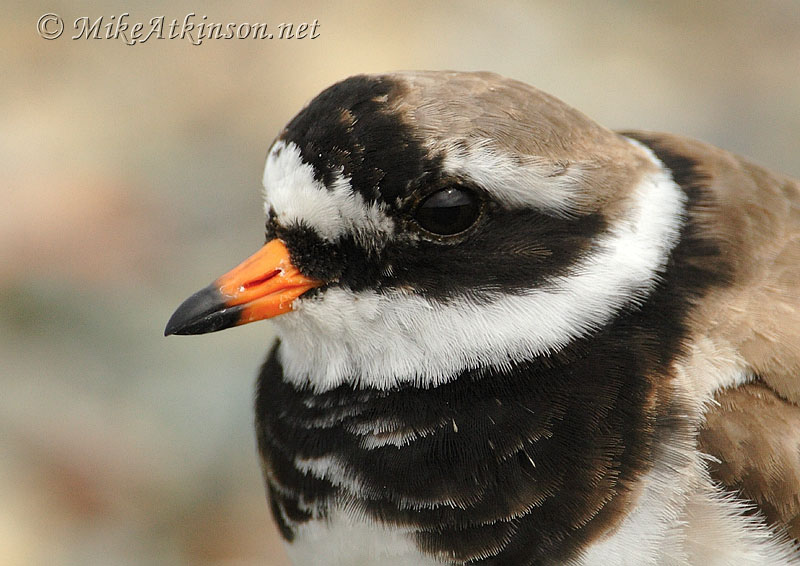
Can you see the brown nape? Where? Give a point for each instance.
(459, 111)
(755, 217)
(756, 436)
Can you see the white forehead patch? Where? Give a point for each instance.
(294, 195)
(385, 339)
(526, 182)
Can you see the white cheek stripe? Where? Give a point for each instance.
(522, 182)
(383, 340)
(292, 193)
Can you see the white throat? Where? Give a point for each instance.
(386, 339)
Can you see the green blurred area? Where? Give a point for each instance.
(131, 178)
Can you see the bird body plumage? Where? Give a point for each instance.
(603, 368)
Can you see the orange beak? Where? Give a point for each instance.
(262, 286)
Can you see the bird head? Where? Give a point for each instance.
(421, 224)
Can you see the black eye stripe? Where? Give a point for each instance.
(449, 211)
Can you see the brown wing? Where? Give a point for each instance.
(755, 436)
(754, 215)
(754, 430)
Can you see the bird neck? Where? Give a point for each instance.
(544, 450)
(548, 450)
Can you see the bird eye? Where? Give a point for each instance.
(448, 211)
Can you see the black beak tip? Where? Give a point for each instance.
(203, 312)
(173, 326)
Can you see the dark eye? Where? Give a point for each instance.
(449, 211)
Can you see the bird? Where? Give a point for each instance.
(507, 335)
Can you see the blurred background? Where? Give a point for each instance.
(131, 178)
